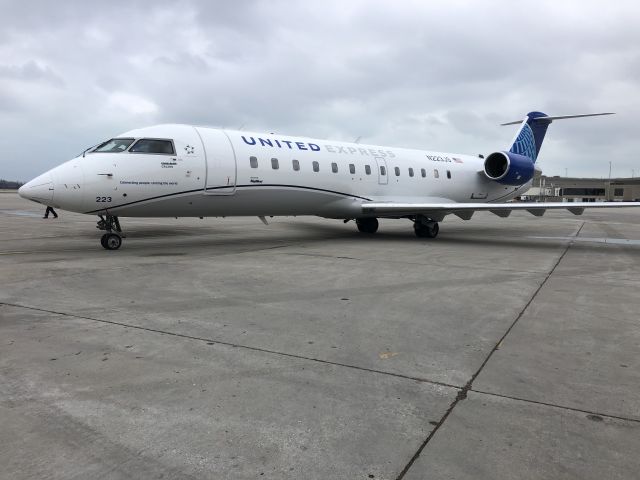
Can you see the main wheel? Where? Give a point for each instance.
(367, 225)
(111, 241)
(426, 231)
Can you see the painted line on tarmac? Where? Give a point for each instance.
(613, 241)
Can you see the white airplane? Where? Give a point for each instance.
(191, 171)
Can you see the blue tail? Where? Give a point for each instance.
(528, 140)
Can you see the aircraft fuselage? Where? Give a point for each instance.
(212, 172)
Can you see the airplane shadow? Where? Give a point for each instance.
(292, 233)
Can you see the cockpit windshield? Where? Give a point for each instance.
(115, 145)
(153, 145)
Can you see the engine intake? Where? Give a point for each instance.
(508, 168)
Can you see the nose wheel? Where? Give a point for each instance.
(113, 238)
(111, 241)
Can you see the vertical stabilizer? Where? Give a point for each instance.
(533, 128)
(528, 140)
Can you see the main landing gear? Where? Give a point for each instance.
(367, 225)
(424, 227)
(113, 238)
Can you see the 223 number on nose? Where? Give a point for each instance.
(103, 199)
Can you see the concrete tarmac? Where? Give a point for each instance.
(224, 348)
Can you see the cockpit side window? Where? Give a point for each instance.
(153, 145)
(115, 145)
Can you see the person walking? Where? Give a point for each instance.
(50, 210)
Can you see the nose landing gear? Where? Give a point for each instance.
(111, 241)
(113, 238)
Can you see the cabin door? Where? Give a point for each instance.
(220, 161)
(383, 174)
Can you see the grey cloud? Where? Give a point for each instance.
(189, 63)
(31, 71)
(416, 74)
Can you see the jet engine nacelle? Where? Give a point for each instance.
(509, 168)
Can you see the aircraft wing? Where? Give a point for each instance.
(437, 211)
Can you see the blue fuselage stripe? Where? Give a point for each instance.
(271, 185)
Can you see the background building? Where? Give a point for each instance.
(567, 189)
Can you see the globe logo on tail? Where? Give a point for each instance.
(525, 143)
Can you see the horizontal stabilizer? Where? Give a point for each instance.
(560, 117)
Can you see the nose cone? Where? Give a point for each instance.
(40, 189)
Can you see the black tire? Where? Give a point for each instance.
(367, 225)
(111, 241)
(427, 231)
(103, 240)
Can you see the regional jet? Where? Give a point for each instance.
(183, 170)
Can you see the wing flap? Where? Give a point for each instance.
(576, 210)
(464, 214)
(501, 213)
(538, 212)
(463, 210)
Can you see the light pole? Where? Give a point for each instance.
(609, 189)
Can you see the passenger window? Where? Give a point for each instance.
(410, 172)
(274, 164)
(253, 161)
(383, 171)
(448, 173)
(115, 145)
(436, 174)
(296, 165)
(352, 168)
(423, 172)
(397, 169)
(334, 167)
(316, 166)
(367, 169)
(148, 145)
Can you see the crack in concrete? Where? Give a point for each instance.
(211, 341)
(462, 394)
(553, 405)
(413, 263)
(462, 391)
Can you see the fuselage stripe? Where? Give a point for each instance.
(297, 187)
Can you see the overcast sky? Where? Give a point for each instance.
(423, 74)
